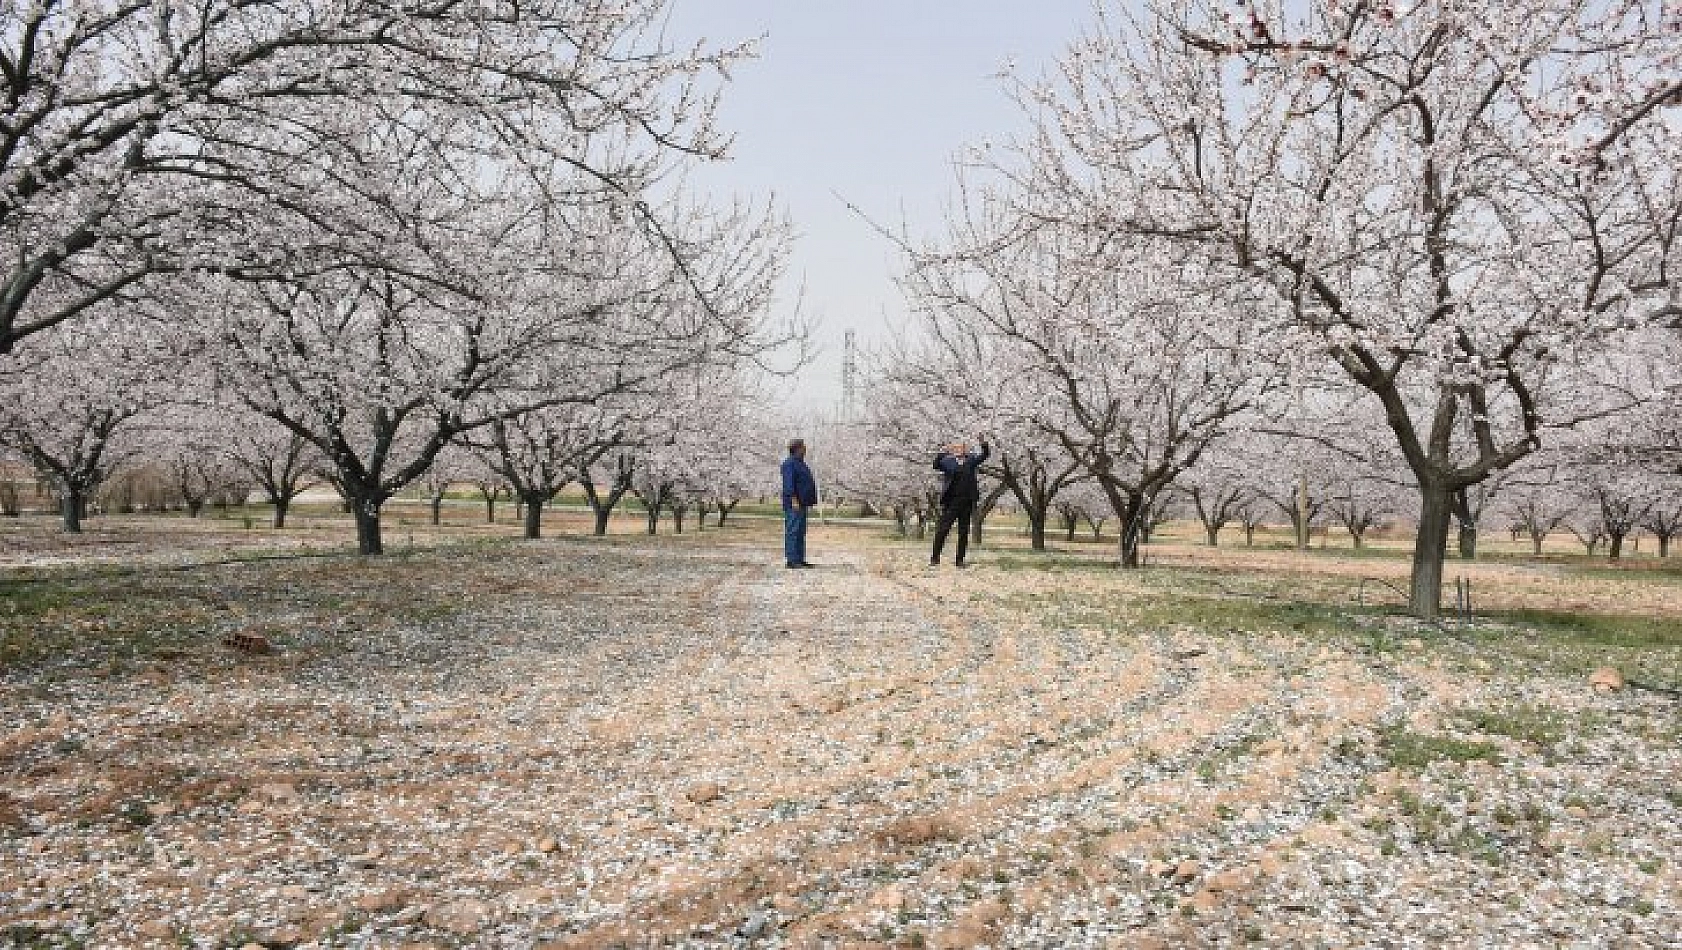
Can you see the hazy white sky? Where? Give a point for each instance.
(869, 100)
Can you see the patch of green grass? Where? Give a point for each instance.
(26, 599)
(1613, 630)
(1052, 561)
(1526, 723)
(1647, 649)
(1414, 751)
(118, 617)
(32, 937)
(1247, 615)
(163, 613)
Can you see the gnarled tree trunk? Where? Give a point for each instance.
(1429, 551)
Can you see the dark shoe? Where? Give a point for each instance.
(792, 566)
(934, 562)
(807, 564)
(959, 564)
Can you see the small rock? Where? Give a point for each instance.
(253, 946)
(1186, 871)
(156, 930)
(462, 917)
(787, 905)
(548, 845)
(248, 642)
(703, 793)
(160, 809)
(757, 925)
(1577, 811)
(1607, 679)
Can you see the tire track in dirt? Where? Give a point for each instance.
(987, 705)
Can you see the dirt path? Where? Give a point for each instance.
(647, 745)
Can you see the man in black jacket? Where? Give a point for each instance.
(957, 464)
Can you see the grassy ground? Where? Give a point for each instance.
(1026, 754)
(119, 592)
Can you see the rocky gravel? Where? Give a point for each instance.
(647, 743)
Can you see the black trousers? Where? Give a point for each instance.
(957, 513)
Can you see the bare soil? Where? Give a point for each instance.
(677, 742)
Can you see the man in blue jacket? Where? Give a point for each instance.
(958, 497)
(800, 493)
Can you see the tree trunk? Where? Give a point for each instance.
(1467, 524)
(437, 510)
(1129, 546)
(1616, 551)
(195, 506)
(72, 506)
(1132, 515)
(602, 514)
(724, 512)
(1358, 538)
(1036, 529)
(490, 509)
(653, 520)
(1425, 592)
(281, 505)
(984, 510)
(1664, 545)
(677, 519)
(1536, 539)
(368, 540)
(1301, 513)
(533, 515)
(1249, 535)
(1213, 532)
